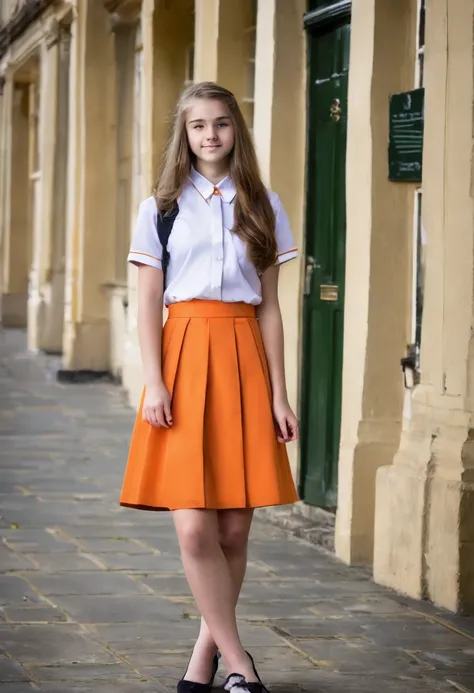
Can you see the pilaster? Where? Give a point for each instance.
(425, 521)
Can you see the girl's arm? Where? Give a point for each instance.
(156, 405)
(271, 327)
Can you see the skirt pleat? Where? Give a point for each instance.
(223, 426)
(221, 451)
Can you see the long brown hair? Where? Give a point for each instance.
(254, 218)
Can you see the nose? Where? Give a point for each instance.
(211, 134)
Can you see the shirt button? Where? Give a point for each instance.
(219, 257)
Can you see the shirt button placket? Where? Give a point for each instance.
(217, 245)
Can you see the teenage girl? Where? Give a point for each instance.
(209, 439)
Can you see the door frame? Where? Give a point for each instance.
(316, 22)
(327, 17)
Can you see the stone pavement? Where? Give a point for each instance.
(93, 597)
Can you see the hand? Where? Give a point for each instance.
(157, 407)
(286, 422)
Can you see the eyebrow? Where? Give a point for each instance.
(201, 120)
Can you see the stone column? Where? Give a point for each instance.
(3, 119)
(40, 308)
(378, 268)
(91, 208)
(425, 519)
(124, 21)
(142, 182)
(279, 130)
(125, 41)
(15, 236)
(55, 315)
(6, 93)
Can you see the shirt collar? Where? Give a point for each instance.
(206, 188)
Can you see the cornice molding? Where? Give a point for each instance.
(21, 20)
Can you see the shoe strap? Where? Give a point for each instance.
(236, 683)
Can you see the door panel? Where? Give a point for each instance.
(325, 264)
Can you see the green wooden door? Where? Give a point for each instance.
(323, 318)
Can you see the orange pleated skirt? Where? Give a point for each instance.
(221, 451)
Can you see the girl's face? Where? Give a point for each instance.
(209, 129)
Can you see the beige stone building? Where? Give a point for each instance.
(362, 114)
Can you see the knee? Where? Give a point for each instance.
(233, 538)
(196, 541)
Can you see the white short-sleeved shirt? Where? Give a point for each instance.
(207, 260)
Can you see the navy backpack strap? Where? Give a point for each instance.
(164, 224)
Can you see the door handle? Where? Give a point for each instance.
(311, 265)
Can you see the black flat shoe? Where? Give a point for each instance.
(193, 687)
(256, 687)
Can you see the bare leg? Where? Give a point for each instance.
(234, 528)
(210, 580)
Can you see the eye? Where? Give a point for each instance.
(223, 125)
(197, 127)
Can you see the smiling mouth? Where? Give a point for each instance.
(211, 146)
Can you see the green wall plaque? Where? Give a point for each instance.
(405, 149)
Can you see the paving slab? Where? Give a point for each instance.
(86, 583)
(15, 590)
(10, 560)
(53, 644)
(115, 546)
(83, 672)
(93, 596)
(116, 687)
(11, 670)
(119, 608)
(33, 541)
(34, 614)
(55, 562)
